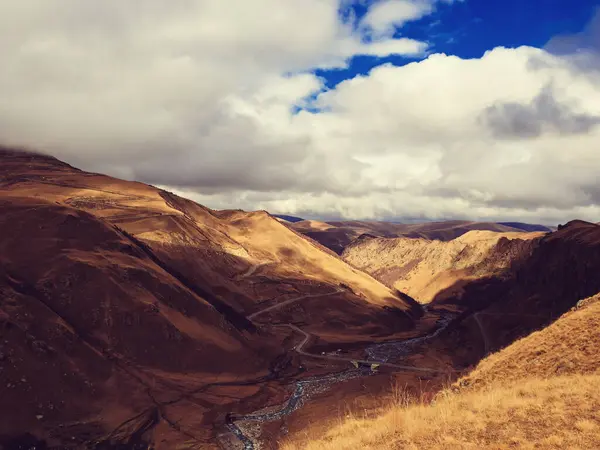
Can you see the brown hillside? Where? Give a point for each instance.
(541, 392)
(126, 311)
(87, 315)
(422, 268)
(553, 414)
(339, 235)
(311, 225)
(566, 347)
(546, 278)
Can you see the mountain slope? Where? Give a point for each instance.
(87, 315)
(541, 392)
(422, 268)
(553, 414)
(546, 278)
(339, 235)
(566, 347)
(528, 227)
(112, 287)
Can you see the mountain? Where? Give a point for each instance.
(527, 226)
(339, 235)
(524, 337)
(134, 317)
(507, 285)
(423, 267)
(547, 276)
(291, 219)
(568, 346)
(540, 392)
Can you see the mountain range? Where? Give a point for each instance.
(131, 317)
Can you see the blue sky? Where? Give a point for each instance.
(469, 28)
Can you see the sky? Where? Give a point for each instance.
(334, 109)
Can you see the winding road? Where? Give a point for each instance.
(307, 336)
(253, 269)
(291, 300)
(486, 341)
(299, 395)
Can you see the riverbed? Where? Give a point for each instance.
(248, 428)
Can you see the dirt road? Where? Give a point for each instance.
(251, 270)
(484, 335)
(307, 336)
(291, 300)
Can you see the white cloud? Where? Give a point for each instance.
(383, 18)
(111, 82)
(194, 95)
(411, 142)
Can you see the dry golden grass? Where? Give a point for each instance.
(422, 268)
(542, 392)
(270, 241)
(568, 346)
(559, 413)
(311, 225)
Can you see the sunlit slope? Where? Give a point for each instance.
(215, 248)
(121, 301)
(553, 414)
(338, 235)
(293, 256)
(422, 268)
(568, 346)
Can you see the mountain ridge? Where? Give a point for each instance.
(133, 289)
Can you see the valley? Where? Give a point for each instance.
(131, 317)
(299, 225)
(111, 286)
(539, 392)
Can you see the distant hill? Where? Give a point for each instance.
(291, 219)
(424, 267)
(526, 226)
(338, 235)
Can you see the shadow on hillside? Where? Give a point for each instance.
(557, 271)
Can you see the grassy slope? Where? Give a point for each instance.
(567, 347)
(541, 392)
(422, 268)
(134, 290)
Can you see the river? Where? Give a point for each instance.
(247, 428)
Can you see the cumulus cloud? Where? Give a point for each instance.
(587, 40)
(185, 92)
(542, 115)
(385, 16)
(582, 49)
(199, 96)
(424, 152)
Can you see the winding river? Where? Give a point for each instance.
(244, 427)
(247, 428)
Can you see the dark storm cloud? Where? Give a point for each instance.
(544, 113)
